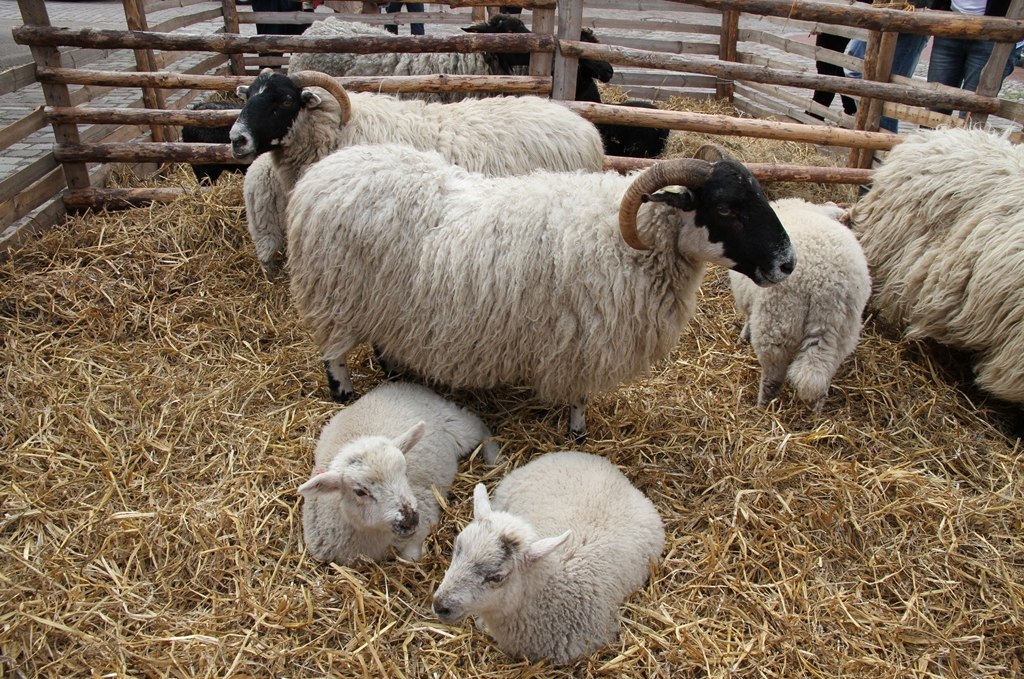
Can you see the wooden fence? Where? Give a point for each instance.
(660, 48)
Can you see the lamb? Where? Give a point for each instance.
(479, 282)
(377, 462)
(302, 118)
(943, 234)
(547, 566)
(211, 135)
(808, 324)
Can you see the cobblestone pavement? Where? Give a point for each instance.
(109, 14)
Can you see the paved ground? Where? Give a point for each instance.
(109, 14)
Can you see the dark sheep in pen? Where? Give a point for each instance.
(619, 140)
(193, 134)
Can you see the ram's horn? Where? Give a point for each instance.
(689, 172)
(318, 79)
(711, 153)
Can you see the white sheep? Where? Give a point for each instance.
(265, 201)
(807, 325)
(391, 63)
(546, 567)
(377, 464)
(481, 282)
(943, 233)
(301, 119)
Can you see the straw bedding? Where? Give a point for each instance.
(159, 410)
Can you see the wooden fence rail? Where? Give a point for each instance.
(657, 64)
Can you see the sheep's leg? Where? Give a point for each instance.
(578, 421)
(745, 332)
(391, 370)
(413, 549)
(339, 380)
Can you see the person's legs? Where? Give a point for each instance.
(977, 54)
(836, 43)
(391, 9)
(904, 63)
(415, 29)
(947, 63)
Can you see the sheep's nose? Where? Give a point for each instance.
(441, 610)
(240, 144)
(788, 266)
(409, 521)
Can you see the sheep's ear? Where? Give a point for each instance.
(409, 439)
(242, 91)
(310, 99)
(676, 196)
(266, 70)
(544, 546)
(326, 482)
(481, 505)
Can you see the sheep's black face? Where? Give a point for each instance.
(733, 208)
(273, 103)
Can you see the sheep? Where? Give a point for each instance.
(265, 200)
(631, 141)
(211, 135)
(302, 118)
(588, 70)
(944, 237)
(480, 282)
(619, 140)
(391, 63)
(808, 324)
(377, 463)
(546, 566)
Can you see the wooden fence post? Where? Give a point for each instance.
(878, 67)
(724, 89)
(34, 13)
(992, 75)
(145, 60)
(543, 23)
(230, 11)
(570, 23)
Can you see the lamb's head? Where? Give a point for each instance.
(368, 479)
(275, 105)
(720, 212)
(490, 558)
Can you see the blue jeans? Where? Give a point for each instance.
(958, 63)
(904, 62)
(415, 29)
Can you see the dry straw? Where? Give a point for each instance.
(158, 411)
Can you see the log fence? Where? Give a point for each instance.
(660, 48)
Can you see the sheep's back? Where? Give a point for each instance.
(536, 134)
(944, 236)
(387, 63)
(616, 530)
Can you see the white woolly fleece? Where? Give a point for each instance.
(805, 326)
(943, 231)
(389, 410)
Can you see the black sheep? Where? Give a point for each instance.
(211, 135)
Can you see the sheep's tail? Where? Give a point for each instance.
(816, 361)
(812, 369)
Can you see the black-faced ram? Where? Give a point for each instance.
(479, 282)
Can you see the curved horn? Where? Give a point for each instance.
(711, 153)
(690, 172)
(318, 79)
